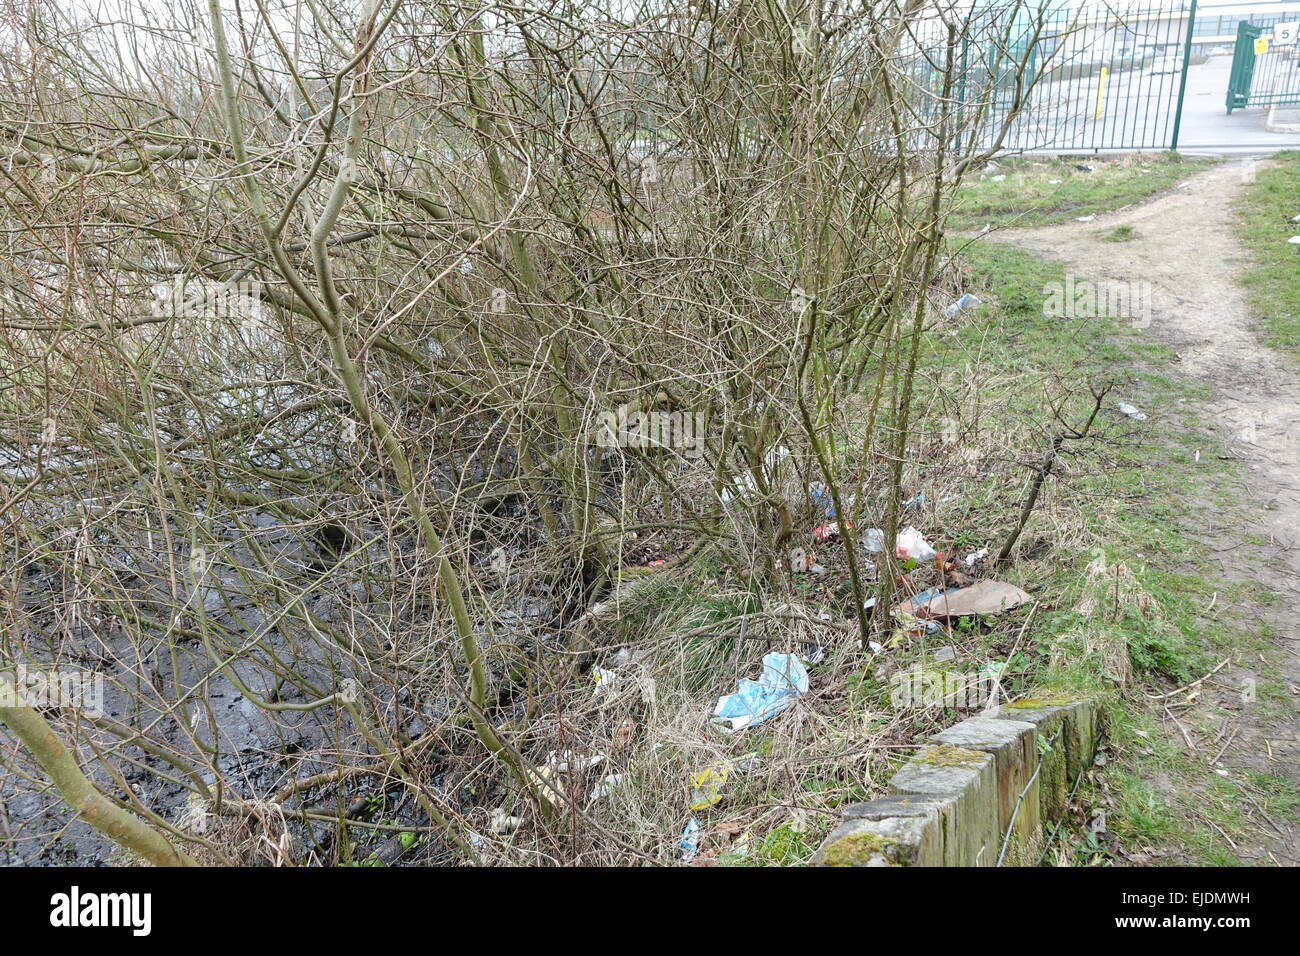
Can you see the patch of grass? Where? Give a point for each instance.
(1278, 796)
(1025, 192)
(1120, 234)
(784, 846)
(1266, 210)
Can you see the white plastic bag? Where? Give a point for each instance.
(911, 544)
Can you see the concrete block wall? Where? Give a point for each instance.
(952, 804)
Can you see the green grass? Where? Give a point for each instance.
(1265, 224)
(783, 846)
(1045, 191)
(1120, 234)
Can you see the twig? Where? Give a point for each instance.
(1199, 680)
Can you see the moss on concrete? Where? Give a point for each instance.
(946, 755)
(857, 849)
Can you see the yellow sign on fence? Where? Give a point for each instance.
(1261, 46)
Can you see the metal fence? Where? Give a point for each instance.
(1265, 67)
(1101, 78)
(1081, 75)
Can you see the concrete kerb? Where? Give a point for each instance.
(984, 788)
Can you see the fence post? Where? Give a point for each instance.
(1182, 83)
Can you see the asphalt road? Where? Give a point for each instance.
(1206, 123)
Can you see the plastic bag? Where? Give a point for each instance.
(965, 302)
(784, 678)
(912, 544)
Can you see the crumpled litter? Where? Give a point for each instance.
(967, 301)
(551, 779)
(706, 786)
(503, 822)
(1131, 412)
(822, 499)
(982, 597)
(784, 678)
(748, 763)
(873, 539)
(606, 681)
(727, 837)
(912, 544)
(802, 561)
(550, 785)
(744, 485)
(911, 624)
(691, 837)
(625, 656)
(828, 532)
(608, 786)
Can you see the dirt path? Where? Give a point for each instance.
(1184, 246)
